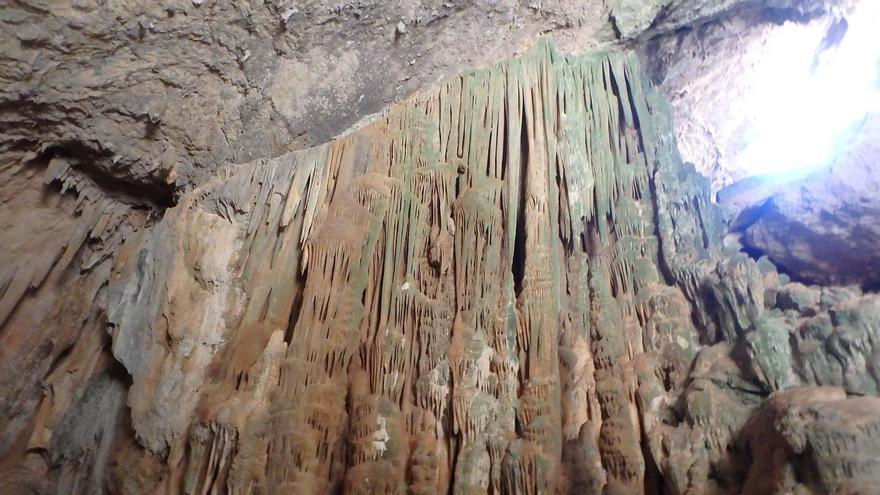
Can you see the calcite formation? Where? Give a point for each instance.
(510, 283)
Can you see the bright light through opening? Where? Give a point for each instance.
(803, 108)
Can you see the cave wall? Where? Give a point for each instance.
(508, 283)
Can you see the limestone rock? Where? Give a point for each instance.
(161, 94)
(823, 227)
(509, 282)
(717, 66)
(634, 18)
(814, 440)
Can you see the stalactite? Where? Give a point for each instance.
(506, 284)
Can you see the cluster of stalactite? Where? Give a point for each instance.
(448, 299)
(508, 284)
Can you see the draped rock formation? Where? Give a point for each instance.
(507, 284)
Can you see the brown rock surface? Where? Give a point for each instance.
(506, 284)
(814, 435)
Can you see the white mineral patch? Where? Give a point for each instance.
(380, 436)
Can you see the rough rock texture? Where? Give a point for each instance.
(509, 283)
(831, 442)
(634, 18)
(712, 72)
(823, 227)
(818, 228)
(162, 93)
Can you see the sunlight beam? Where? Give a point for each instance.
(810, 98)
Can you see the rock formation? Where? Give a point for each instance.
(822, 227)
(509, 283)
(745, 94)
